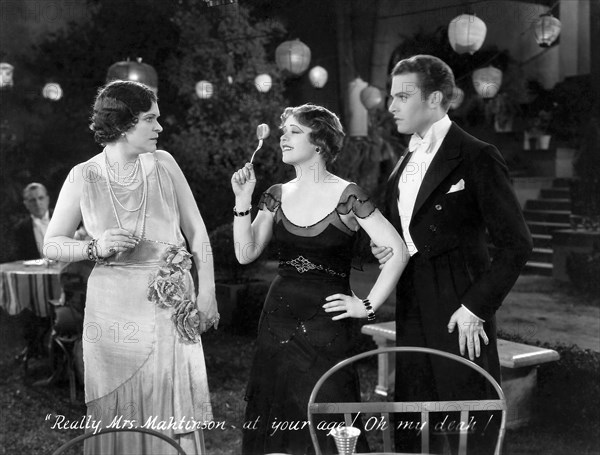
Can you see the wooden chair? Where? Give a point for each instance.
(78, 439)
(384, 408)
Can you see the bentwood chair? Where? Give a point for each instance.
(62, 449)
(385, 408)
(64, 346)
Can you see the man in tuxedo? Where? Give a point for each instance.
(448, 196)
(30, 231)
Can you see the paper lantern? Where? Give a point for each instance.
(133, 71)
(466, 33)
(204, 90)
(6, 75)
(487, 81)
(52, 91)
(292, 56)
(371, 97)
(458, 95)
(318, 76)
(263, 83)
(546, 29)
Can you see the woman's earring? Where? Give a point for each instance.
(318, 149)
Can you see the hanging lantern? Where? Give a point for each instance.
(204, 90)
(371, 97)
(229, 80)
(52, 91)
(458, 95)
(546, 29)
(487, 81)
(293, 56)
(466, 33)
(318, 76)
(133, 71)
(263, 83)
(6, 75)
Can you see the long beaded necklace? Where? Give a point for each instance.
(129, 178)
(143, 202)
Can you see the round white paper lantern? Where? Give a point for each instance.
(487, 81)
(6, 74)
(466, 33)
(133, 71)
(546, 29)
(263, 83)
(458, 95)
(204, 90)
(52, 91)
(371, 97)
(293, 56)
(318, 76)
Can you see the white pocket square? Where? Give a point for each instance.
(459, 186)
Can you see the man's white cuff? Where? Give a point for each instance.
(481, 320)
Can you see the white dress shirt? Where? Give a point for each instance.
(40, 226)
(424, 150)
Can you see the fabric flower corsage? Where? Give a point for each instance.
(186, 318)
(167, 289)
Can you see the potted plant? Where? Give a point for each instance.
(537, 134)
(240, 294)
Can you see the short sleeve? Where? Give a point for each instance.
(271, 199)
(355, 199)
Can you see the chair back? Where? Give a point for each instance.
(385, 408)
(68, 314)
(82, 437)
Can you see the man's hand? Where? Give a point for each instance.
(381, 253)
(470, 328)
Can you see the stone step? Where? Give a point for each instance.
(542, 240)
(549, 216)
(541, 255)
(548, 204)
(555, 193)
(561, 183)
(537, 268)
(539, 227)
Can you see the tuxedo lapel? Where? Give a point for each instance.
(445, 161)
(392, 192)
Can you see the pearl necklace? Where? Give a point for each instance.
(143, 202)
(129, 178)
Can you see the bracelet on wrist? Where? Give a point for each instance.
(89, 250)
(369, 309)
(92, 252)
(247, 212)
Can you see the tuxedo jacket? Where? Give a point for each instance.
(25, 240)
(465, 202)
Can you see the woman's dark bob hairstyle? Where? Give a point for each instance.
(117, 107)
(327, 131)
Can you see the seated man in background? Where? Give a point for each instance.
(30, 232)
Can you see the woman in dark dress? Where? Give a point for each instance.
(308, 322)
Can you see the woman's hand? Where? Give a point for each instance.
(209, 313)
(381, 253)
(243, 182)
(350, 305)
(115, 240)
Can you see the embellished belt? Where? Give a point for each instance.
(303, 265)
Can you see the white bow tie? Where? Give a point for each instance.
(421, 144)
